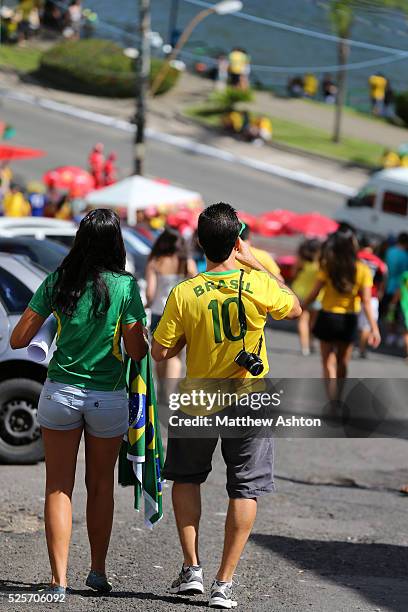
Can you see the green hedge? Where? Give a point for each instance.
(401, 106)
(96, 67)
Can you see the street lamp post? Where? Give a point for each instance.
(142, 85)
(221, 8)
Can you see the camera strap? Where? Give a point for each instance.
(242, 317)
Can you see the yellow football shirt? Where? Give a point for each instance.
(204, 309)
(334, 301)
(266, 260)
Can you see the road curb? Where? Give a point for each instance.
(181, 142)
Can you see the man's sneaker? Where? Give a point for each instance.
(189, 581)
(221, 595)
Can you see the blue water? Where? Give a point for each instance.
(268, 46)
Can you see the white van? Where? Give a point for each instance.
(381, 206)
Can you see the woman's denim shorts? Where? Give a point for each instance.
(103, 414)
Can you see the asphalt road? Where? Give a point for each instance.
(68, 140)
(332, 539)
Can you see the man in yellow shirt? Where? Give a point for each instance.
(378, 85)
(15, 204)
(218, 314)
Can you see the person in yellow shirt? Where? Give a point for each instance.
(390, 159)
(347, 285)
(260, 255)
(217, 314)
(310, 85)
(307, 268)
(378, 85)
(15, 204)
(239, 68)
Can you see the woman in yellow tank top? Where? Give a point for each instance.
(347, 285)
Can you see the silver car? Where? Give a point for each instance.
(21, 380)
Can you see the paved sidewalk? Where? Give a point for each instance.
(165, 116)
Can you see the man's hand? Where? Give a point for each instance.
(245, 256)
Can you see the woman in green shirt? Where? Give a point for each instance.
(96, 304)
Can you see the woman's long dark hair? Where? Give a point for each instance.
(169, 243)
(339, 259)
(98, 248)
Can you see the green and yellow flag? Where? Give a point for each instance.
(141, 456)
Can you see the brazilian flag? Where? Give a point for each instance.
(141, 455)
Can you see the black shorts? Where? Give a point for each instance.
(235, 79)
(336, 327)
(249, 462)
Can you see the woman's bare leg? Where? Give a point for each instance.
(101, 456)
(61, 450)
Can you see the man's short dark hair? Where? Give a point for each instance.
(218, 229)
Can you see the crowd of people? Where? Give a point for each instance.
(249, 127)
(307, 86)
(25, 20)
(39, 200)
(346, 286)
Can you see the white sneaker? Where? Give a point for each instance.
(221, 595)
(189, 581)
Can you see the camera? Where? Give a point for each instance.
(250, 361)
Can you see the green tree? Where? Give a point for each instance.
(342, 14)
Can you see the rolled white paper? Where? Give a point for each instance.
(40, 345)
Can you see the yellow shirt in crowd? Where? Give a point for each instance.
(305, 280)
(266, 260)
(237, 62)
(334, 301)
(378, 85)
(310, 85)
(204, 310)
(15, 205)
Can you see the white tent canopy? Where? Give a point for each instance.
(138, 193)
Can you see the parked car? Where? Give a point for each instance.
(381, 206)
(48, 254)
(63, 232)
(21, 379)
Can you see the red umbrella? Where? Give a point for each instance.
(275, 222)
(11, 153)
(313, 225)
(250, 220)
(70, 177)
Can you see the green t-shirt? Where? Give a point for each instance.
(89, 353)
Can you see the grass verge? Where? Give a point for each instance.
(304, 138)
(22, 59)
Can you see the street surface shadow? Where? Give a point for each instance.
(15, 586)
(171, 599)
(357, 566)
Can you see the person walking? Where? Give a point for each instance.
(203, 314)
(168, 265)
(347, 285)
(307, 268)
(378, 271)
(96, 304)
